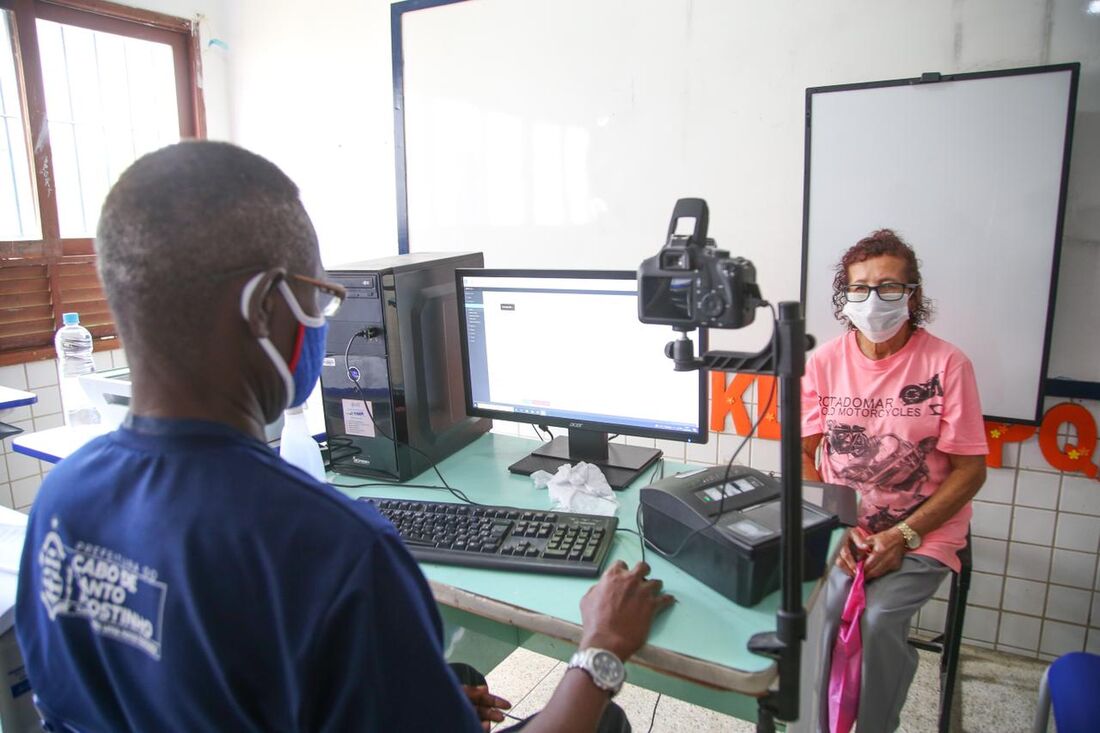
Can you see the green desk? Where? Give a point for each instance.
(697, 649)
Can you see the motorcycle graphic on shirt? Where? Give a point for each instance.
(849, 439)
(913, 394)
(884, 517)
(886, 462)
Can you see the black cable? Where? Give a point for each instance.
(729, 464)
(370, 413)
(641, 528)
(540, 429)
(659, 467)
(653, 718)
(637, 512)
(641, 542)
(383, 484)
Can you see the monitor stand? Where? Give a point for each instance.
(620, 464)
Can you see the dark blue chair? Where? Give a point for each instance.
(1072, 684)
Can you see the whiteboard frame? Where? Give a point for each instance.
(1056, 245)
(397, 10)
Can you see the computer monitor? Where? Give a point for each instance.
(565, 348)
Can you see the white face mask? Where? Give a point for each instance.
(878, 319)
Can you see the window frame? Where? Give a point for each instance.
(52, 250)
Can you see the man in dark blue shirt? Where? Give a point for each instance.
(178, 575)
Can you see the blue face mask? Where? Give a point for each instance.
(305, 364)
(304, 369)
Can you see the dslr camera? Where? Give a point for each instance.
(691, 283)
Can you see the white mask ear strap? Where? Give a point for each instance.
(246, 294)
(265, 343)
(281, 367)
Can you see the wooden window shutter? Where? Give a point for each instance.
(80, 291)
(30, 309)
(26, 308)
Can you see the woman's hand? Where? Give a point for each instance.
(853, 549)
(885, 552)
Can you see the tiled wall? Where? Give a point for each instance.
(20, 476)
(1035, 587)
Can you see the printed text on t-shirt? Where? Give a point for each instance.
(847, 406)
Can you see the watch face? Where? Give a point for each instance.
(608, 669)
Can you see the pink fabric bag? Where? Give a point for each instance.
(846, 669)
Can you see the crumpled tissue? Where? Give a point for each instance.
(581, 488)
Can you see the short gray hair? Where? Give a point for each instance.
(177, 222)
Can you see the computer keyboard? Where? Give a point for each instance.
(500, 537)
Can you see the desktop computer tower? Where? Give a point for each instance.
(397, 334)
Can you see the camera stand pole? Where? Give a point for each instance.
(785, 644)
(786, 357)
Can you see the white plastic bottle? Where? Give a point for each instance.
(297, 447)
(74, 359)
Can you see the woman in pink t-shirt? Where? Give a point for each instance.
(892, 411)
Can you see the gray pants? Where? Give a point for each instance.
(889, 663)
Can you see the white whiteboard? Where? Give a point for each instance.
(970, 172)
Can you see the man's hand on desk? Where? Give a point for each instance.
(618, 611)
(489, 707)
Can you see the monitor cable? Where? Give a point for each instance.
(369, 333)
(660, 467)
(538, 429)
(729, 463)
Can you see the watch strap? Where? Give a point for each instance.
(912, 539)
(584, 659)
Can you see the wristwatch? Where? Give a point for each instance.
(605, 669)
(912, 539)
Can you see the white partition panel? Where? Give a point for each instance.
(563, 142)
(971, 173)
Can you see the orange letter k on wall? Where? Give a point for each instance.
(729, 399)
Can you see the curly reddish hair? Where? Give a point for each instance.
(877, 244)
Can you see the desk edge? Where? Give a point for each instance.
(24, 450)
(690, 669)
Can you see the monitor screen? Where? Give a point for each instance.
(566, 349)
